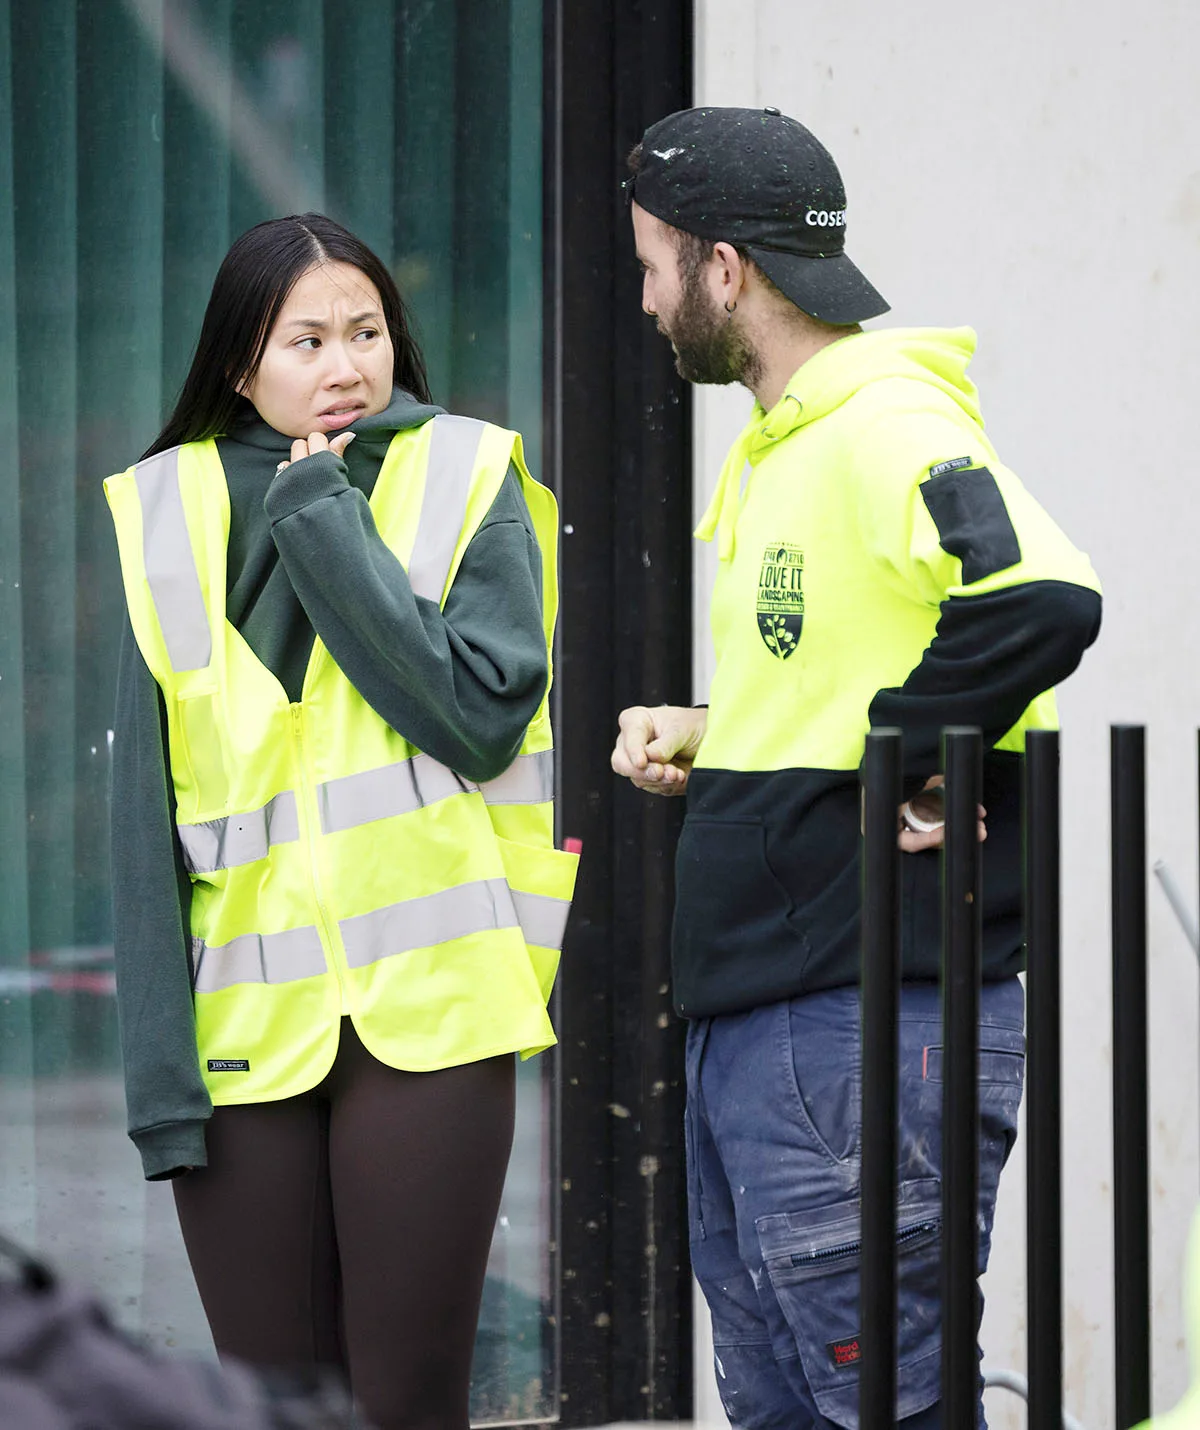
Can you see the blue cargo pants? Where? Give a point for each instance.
(774, 1154)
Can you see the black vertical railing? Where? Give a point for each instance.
(1043, 1079)
(880, 1052)
(1131, 1218)
(962, 761)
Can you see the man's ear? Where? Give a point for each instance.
(730, 274)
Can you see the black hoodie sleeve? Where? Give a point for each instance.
(992, 655)
(1018, 603)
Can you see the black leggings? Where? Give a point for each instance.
(350, 1226)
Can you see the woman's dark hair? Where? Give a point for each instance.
(250, 288)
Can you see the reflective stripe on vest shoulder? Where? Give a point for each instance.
(240, 838)
(453, 446)
(257, 958)
(171, 564)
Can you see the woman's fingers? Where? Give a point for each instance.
(317, 442)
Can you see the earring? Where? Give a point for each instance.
(730, 310)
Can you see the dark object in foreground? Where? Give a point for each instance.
(64, 1365)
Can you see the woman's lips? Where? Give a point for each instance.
(331, 421)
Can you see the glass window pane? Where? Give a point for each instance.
(137, 139)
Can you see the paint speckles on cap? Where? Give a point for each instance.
(759, 179)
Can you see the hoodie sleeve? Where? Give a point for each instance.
(1018, 603)
(461, 682)
(167, 1102)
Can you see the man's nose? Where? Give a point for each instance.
(647, 298)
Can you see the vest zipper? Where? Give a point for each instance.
(307, 801)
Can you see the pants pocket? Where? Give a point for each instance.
(1001, 1081)
(697, 1139)
(813, 1259)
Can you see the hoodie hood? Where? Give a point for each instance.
(937, 356)
(375, 432)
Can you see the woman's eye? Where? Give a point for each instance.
(308, 344)
(366, 333)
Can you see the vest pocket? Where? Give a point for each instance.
(736, 941)
(201, 750)
(541, 881)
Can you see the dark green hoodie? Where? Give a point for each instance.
(461, 684)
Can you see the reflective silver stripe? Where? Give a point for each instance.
(171, 564)
(240, 838)
(452, 448)
(258, 958)
(528, 780)
(352, 800)
(392, 789)
(543, 920)
(423, 923)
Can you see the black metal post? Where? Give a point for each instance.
(880, 1056)
(1131, 1210)
(1043, 1080)
(962, 761)
(618, 435)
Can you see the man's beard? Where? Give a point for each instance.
(709, 347)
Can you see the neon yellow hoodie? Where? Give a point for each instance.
(878, 566)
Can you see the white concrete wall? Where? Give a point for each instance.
(1033, 169)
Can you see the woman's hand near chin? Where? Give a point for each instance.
(316, 442)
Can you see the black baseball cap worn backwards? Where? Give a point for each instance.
(757, 179)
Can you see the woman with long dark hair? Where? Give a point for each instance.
(337, 905)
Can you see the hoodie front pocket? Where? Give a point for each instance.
(730, 906)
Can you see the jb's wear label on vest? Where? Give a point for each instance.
(781, 599)
(229, 1064)
(954, 466)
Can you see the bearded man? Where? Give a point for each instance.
(879, 565)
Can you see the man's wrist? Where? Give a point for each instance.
(917, 823)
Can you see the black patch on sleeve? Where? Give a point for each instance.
(972, 521)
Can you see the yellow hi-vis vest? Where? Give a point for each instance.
(335, 868)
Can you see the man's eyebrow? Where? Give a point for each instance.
(321, 324)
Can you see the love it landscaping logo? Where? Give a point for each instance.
(781, 599)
